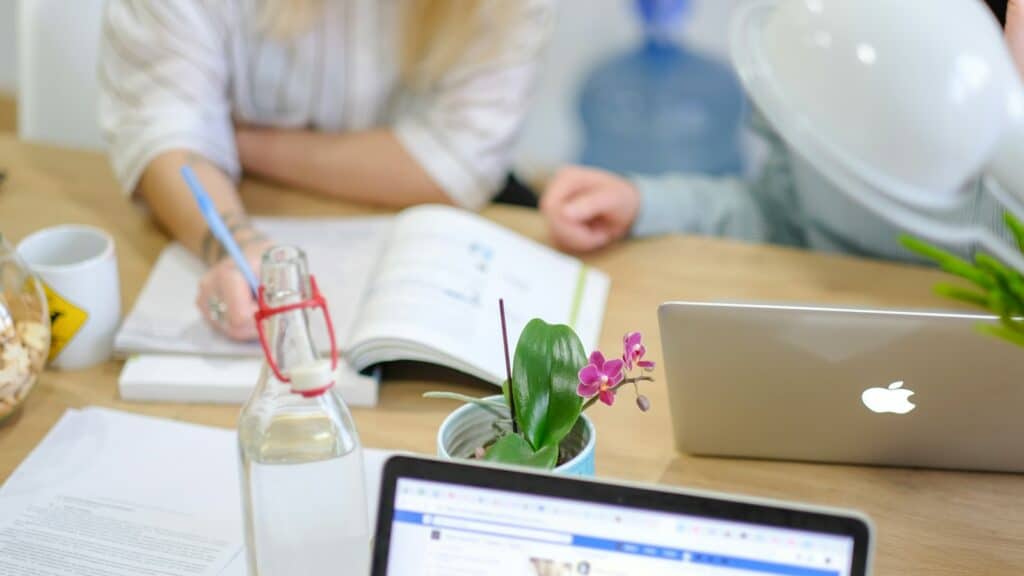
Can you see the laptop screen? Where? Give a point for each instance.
(451, 529)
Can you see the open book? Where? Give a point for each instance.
(423, 286)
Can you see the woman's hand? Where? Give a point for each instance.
(587, 209)
(225, 299)
(1015, 32)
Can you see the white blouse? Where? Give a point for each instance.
(177, 74)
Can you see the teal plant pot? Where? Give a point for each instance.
(470, 427)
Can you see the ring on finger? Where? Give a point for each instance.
(218, 309)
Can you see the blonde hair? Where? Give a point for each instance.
(436, 34)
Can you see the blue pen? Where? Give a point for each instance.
(218, 228)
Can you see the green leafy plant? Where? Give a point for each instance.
(995, 287)
(551, 382)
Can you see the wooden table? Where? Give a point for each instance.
(8, 113)
(929, 523)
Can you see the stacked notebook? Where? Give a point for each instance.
(421, 286)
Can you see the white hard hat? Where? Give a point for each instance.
(907, 98)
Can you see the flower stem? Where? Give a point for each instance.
(625, 382)
(508, 368)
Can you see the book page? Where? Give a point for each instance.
(439, 283)
(341, 253)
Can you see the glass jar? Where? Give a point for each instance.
(24, 330)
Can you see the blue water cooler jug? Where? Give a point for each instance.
(661, 106)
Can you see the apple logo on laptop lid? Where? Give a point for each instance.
(894, 400)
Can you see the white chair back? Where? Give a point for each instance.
(58, 49)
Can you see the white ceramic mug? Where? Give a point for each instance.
(79, 270)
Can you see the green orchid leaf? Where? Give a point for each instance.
(514, 449)
(545, 371)
(495, 407)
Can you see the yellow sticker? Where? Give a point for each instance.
(66, 320)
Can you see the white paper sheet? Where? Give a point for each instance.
(114, 494)
(111, 493)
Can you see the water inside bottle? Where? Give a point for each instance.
(309, 524)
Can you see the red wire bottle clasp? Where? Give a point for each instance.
(316, 300)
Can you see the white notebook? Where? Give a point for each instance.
(421, 286)
(188, 379)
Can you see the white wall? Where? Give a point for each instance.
(8, 69)
(588, 31)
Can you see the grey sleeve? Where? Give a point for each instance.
(759, 210)
(699, 205)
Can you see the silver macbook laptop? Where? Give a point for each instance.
(447, 519)
(843, 385)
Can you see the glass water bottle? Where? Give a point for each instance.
(302, 465)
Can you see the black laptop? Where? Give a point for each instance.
(444, 518)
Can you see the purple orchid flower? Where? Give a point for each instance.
(600, 377)
(634, 351)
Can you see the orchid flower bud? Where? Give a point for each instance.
(643, 403)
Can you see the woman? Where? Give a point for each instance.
(387, 102)
(790, 202)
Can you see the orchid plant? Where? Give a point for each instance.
(551, 382)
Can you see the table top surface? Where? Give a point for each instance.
(928, 522)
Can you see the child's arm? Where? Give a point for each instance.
(699, 205)
(587, 209)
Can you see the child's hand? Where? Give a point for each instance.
(587, 209)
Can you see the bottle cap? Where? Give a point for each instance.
(312, 379)
(661, 16)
